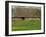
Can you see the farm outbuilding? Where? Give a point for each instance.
(26, 12)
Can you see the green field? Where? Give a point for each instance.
(18, 25)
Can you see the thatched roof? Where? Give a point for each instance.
(23, 11)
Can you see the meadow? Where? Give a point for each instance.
(19, 25)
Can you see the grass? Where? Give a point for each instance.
(18, 25)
